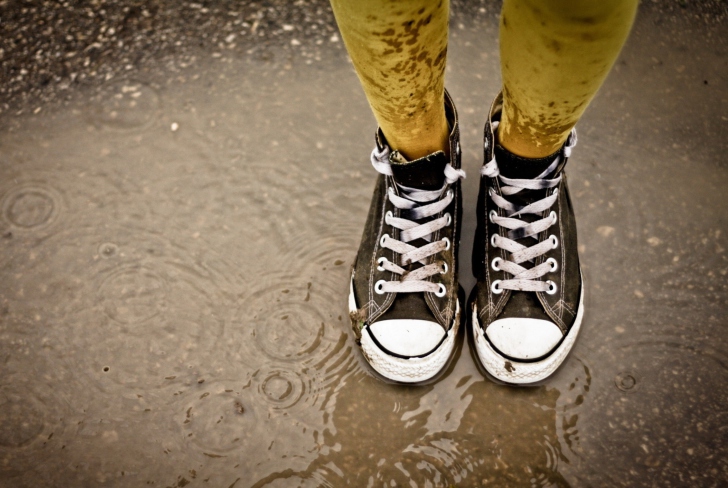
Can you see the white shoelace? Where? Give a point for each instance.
(416, 204)
(522, 278)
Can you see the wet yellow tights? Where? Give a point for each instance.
(555, 54)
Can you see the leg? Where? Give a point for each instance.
(404, 297)
(398, 49)
(528, 305)
(555, 54)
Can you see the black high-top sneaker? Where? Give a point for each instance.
(404, 302)
(529, 301)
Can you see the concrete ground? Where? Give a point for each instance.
(182, 191)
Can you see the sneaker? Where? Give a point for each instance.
(528, 303)
(404, 299)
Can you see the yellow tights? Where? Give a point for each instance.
(555, 54)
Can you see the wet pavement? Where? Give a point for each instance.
(176, 239)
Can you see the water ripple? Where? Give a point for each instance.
(30, 206)
(289, 317)
(218, 419)
(29, 419)
(141, 313)
(281, 386)
(337, 247)
(20, 419)
(132, 295)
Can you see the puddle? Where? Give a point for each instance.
(175, 256)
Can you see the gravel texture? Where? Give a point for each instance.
(47, 47)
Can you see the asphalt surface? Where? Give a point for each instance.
(49, 48)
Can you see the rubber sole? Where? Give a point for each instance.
(515, 372)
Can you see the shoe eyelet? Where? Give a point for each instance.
(447, 243)
(379, 263)
(554, 217)
(491, 192)
(387, 216)
(495, 287)
(552, 287)
(379, 287)
(449, 219)
(441, 291)
(494, 264)
(492, 215)
(445, 268)
(383, 240)
(492, 240)
(450, 193)
(554, 241)
(554, 264)
(457, 148)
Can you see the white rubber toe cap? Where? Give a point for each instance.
(407, 338)
(521, 338)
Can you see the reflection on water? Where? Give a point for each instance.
(172, 305)
(462, 430)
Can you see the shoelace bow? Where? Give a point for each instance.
(524, 279)
(417, 205)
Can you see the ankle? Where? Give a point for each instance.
(530, 147)
(417, 144)
(521, 142)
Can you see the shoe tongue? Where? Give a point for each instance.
(517, 167)
(426, 173)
